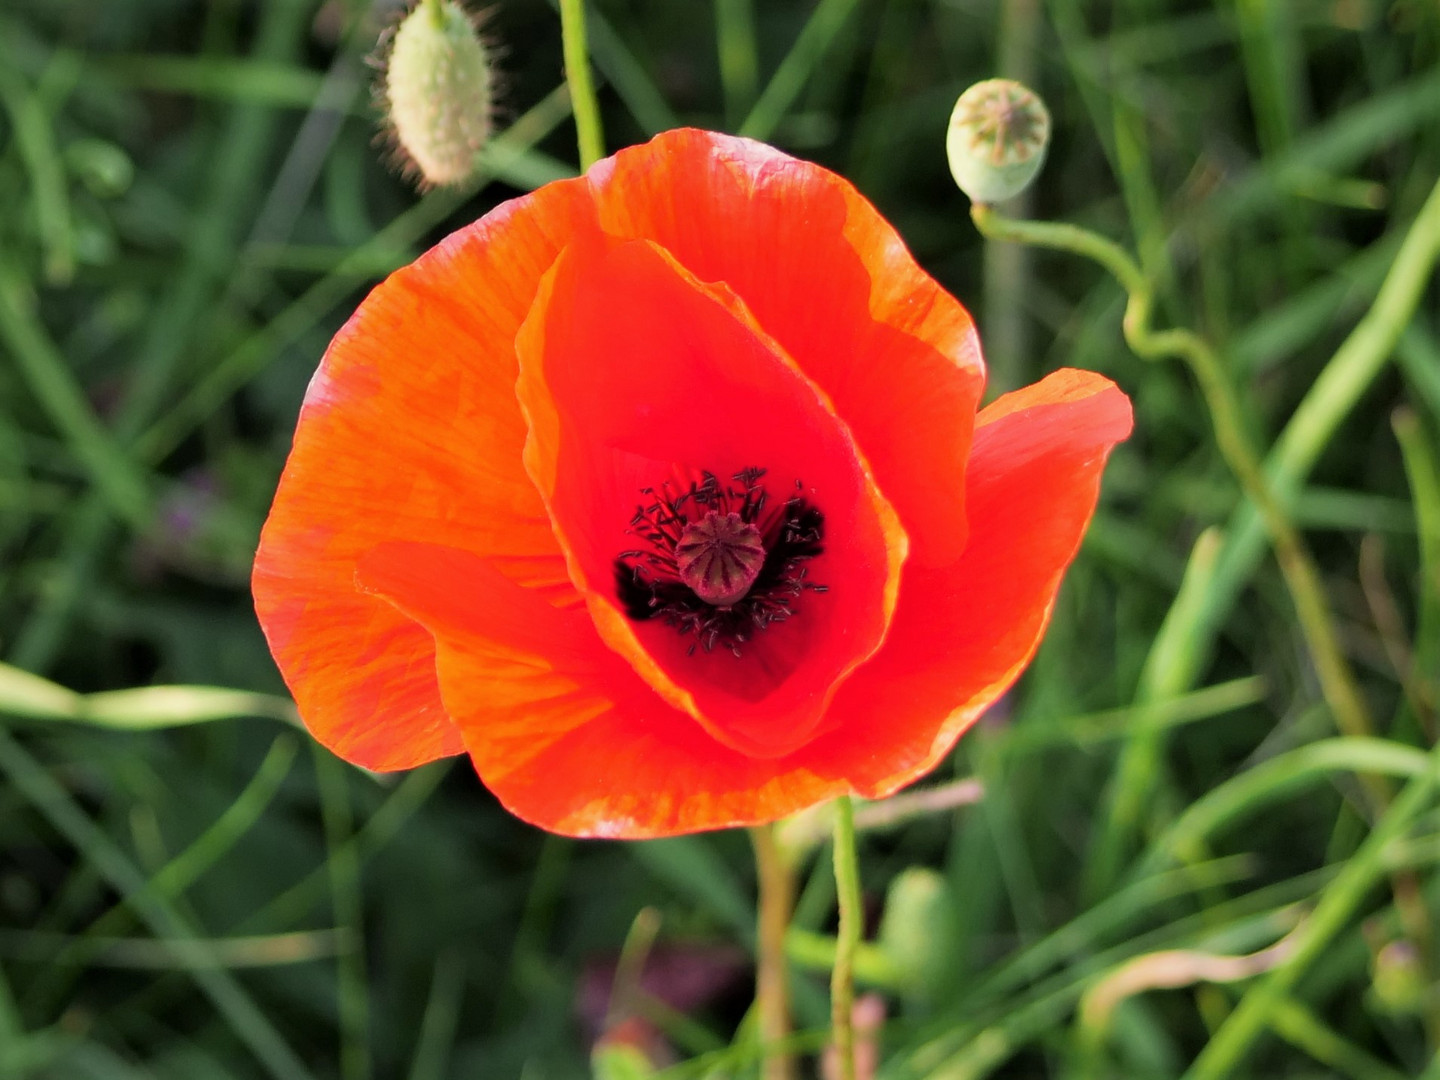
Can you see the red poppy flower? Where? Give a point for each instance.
(663, 494)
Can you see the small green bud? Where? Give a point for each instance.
(997, 139)
(620, 1061)
(918, 929)
(439, 93)
(1398, 985)
(104, 168)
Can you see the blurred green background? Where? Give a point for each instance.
(194, 202)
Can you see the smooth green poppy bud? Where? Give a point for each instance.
(439, 93)
(918, 929)
(1398, 985)
(997, 139)
(620, 1062)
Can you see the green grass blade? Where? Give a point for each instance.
(1265, 783)
(347, 901)
(739, 56)
(799, 65)
(55, 387)
(229, 998)
(1330, 399)
(1338, 904)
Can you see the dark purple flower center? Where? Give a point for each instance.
(721, 561)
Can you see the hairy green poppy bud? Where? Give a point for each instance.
(438, 93)
(997, 139)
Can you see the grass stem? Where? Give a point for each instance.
(776, 876)
(582, 85)
(847, 938)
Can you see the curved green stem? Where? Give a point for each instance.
(1337, 680)
(776, 875)
(582, 86)
(847, 937)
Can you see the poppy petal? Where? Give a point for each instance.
(632, 371)
(409, 429)
(562, 729)
(831, 281)
(962, 634)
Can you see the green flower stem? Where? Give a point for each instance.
(776, 874)
(847, 938)
(1337, 680)
(582, 86)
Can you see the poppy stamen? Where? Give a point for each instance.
(716, 564)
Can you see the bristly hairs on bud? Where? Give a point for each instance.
(436, 90)
(997, 139)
